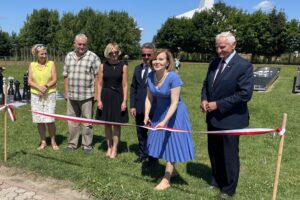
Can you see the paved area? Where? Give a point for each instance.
(16, 184)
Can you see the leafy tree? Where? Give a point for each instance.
(15, 44)
(258, 34)
(227, 18)
(176, 33)
(5, 44)
(40, 27)
(124, 30)
(66, 32)
(100, 29)
(293, 37)
(97, 31)
(277, 27)
(246, 34)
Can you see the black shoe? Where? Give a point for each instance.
(152, 162)
(87, 151)
(139, 159)
(68, 149)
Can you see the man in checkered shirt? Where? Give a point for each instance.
(80, 73)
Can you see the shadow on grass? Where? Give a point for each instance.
(134, 148)
(59, 160)
(199, 170)
(59, 139)
(22, 153)
(122, 148)
(157, 171)
(98, 139)
(17, 153)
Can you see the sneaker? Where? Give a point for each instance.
(224, 195)
(87, 151)
(213, 187)
(68, 149)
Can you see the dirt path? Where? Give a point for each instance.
(16, 184)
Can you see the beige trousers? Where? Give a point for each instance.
(80, 109)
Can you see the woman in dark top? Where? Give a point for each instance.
(111, 92)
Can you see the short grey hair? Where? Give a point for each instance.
(82, 36)
(148, 45)
(228, 35)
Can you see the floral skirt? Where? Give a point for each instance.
(45, 104)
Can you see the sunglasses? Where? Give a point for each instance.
(146, 54)
(114, 52)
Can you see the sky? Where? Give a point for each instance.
(149, 15)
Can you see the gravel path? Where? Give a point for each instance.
(16, 184)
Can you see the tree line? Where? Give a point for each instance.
(259, 34)
(46, 27)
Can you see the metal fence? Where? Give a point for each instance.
(24, 54)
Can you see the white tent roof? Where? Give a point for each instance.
(204, 4)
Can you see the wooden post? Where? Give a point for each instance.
(279, 156)
(5, 123)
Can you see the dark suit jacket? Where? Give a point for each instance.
(231, 92)
(138, 90)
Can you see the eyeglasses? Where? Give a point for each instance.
(146, 54)
(113, 52)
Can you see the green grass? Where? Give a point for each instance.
(122, 179)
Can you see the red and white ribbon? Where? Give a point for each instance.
(81, 120)
(246, 131)
(165, 129)
(234, 132)
(2, 107)
(10, 111)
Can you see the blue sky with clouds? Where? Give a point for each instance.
(149, 15)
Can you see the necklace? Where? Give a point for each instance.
(113, 64)
(162, 78)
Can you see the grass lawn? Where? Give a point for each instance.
(122, 179)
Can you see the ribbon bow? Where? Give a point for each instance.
(11, 113)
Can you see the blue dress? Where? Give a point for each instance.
(168, 145)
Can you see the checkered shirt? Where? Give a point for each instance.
(81, 74)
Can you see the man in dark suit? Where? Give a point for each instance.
(226, 90)
(138, 92)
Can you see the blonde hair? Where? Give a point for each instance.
(36, 48)
(109, 47)
(169, 55)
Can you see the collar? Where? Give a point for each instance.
(228, 58)
(75, 55)
(144, 65)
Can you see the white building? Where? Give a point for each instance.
(204, 4)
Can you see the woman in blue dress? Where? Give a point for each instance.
(170, 111)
